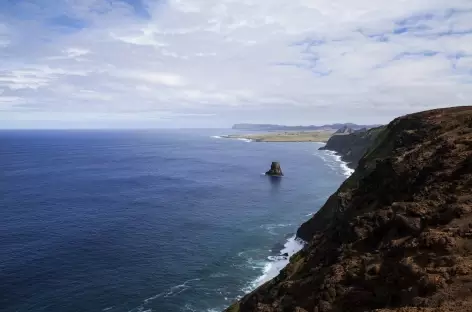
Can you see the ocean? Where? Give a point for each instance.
(149, 220)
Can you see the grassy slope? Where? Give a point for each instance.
(301, 136)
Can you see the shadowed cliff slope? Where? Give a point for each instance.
(397, 234)
(352, 146)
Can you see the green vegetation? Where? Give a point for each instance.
(287, 136)
(233, 308)
(296, 257)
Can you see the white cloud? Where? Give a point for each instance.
(226, 61)
(76, 52)
(5, 100)
(167, 79)
(145, 37)
(4, 36)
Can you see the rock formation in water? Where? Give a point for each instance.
(275, 170)
(396, 236)
(351, 147)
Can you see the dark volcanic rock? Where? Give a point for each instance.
(275, 170)
(396, 236)
(351, 146)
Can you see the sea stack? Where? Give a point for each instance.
(275, 170)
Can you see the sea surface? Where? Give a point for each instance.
(149, 220)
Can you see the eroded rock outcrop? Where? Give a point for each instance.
(396, 236)
(275, 170)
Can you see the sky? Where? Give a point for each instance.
(212, 63)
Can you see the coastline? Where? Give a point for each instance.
(274, 264)
(287, 136)
(293, 244)
(346, 166)
(276, 260)
(380, 241)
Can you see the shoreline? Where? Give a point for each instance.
(346, 166)
(321, 136)
(292, 245)
(272, 264)
(371, 255)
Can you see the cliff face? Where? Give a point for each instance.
(344, 130)
(352, 146)
(397, 234)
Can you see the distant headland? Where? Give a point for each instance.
(280, 133)
(275, 127)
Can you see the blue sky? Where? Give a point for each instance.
(212, 63)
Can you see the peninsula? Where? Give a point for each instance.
(286, 136)
(274, 127)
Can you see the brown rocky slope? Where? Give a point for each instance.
(397, 234)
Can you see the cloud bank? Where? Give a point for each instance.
(211, 63)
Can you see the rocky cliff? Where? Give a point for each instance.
(351, 146)
(345, 130)
(397, 234)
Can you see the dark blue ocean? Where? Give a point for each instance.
(155, 220)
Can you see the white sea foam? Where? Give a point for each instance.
(228, 137)
(141, 309)
(170, 292)
(173, 291)
(188, 307)
(276, 258)
(217, 275)
(272, 267)
(244, 139)
(347, 171)
(333, 160)
(271, 227)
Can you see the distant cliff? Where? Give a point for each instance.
(351, 147)
(346, 130)
(271, 127)
(396, 236)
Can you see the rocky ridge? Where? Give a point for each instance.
(397, 234)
